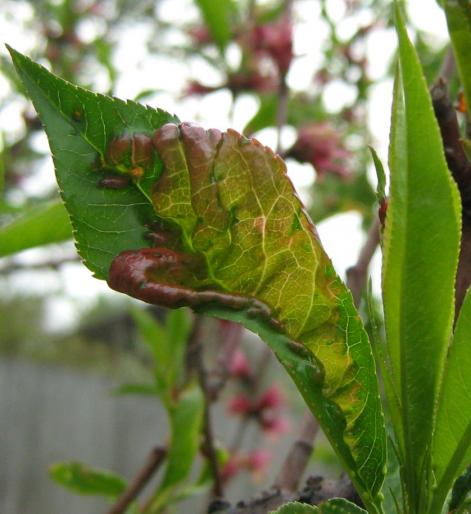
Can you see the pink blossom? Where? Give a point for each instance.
(230, 469)
(276, 40)
(272, 398)
(320, 144)
(274, 425)
(239, 365)
(240, 404)
(258, 460)
(196, 88)
(200, 35)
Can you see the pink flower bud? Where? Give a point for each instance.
(274, 425)
(240, 404)
(230, 469)
(272, 398)
(258, 460)
(239, 365)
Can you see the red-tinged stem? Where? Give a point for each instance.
(357, 274)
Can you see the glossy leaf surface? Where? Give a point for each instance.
(86, 480)
(421, 245)
(458, 15)
(37, 226)
(333, 506)
(452, 442)
(80, 125)
(296, 508)
(231, 235)
(339, 506)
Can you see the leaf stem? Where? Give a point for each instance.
(357, 274)
(209, 447)
(152, 464)
(298, 456)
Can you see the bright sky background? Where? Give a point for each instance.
(74, 288)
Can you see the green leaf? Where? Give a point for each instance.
(380, 174)
(243, 230)
(232, 233)
(452, 441)
(185, 424)
(80, 125)
(39, 225)
(301, 109)
(340, 506)
(167, 345)
(421, 245)
(458, 16)
(296, 508)
(333, 506)
(86, 480)
(218, 17)
(2, 164)
(138, 389)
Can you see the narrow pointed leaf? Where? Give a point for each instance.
(86, 480)
(218, 17)
(380, 174)
(452, 442)
(40, 225)
(185, 418)
(421, 245)
(458, 16)
(233, 237)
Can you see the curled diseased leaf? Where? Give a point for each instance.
(234, 235)
(227, 235)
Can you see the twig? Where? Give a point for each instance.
(448, 65)
(154, 460)
(357, 274)
(460, 168)
(297, 459)
(255, 384)
(449, 128)
(220, 373)
(52, 263)
(282, 110)
(209, 446)
(283, 90)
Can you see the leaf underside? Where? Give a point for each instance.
(231, 238)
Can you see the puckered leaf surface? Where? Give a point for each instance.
(230, 238)
(80, 125)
